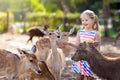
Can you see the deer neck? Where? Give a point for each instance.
(21, 67)
(95, 57)
(54, 46)
(42, 51)
(43, 54)
(97, 61)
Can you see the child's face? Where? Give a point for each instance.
(87, 22)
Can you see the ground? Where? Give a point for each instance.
(13, 41)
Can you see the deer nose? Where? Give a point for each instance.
(72, 58)
(58, 36)
(39, 71)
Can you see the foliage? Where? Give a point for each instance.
(38, 12)
(54, 19)
(36, 6)
(3, 22)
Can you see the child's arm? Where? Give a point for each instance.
(77, 38)
(72, 44)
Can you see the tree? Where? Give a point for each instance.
(106, 15)
(105, 19)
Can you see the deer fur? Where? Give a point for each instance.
(113, 55)
(103, 67)
(12, 66)
(37, 31)
(45, 75)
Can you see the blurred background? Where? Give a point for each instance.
(17, 16)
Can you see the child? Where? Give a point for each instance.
(88, 33)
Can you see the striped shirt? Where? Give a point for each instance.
(87, 36)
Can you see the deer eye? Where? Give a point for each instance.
(31, 60)
(77, 50)
(50, 33)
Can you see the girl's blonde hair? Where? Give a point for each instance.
(93, 16)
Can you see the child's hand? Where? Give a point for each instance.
(65, 42)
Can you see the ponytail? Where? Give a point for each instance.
(96, 23)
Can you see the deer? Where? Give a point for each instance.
(37, 31)
(42, 47)
(65, 36)
(12, 66)
(103, 67)
(45, 75)
(56, 59)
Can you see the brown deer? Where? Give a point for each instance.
(102, 66)
(45, 75)
(12, 66)
(37, 31)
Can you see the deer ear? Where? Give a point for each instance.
(34, 49)
(83, 45)
(96, 44)
(90, 47)
(58, 29)
(71, 30)
(21, 51)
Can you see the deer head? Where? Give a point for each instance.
(84, 51)
(30, 60)
(65, 35)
